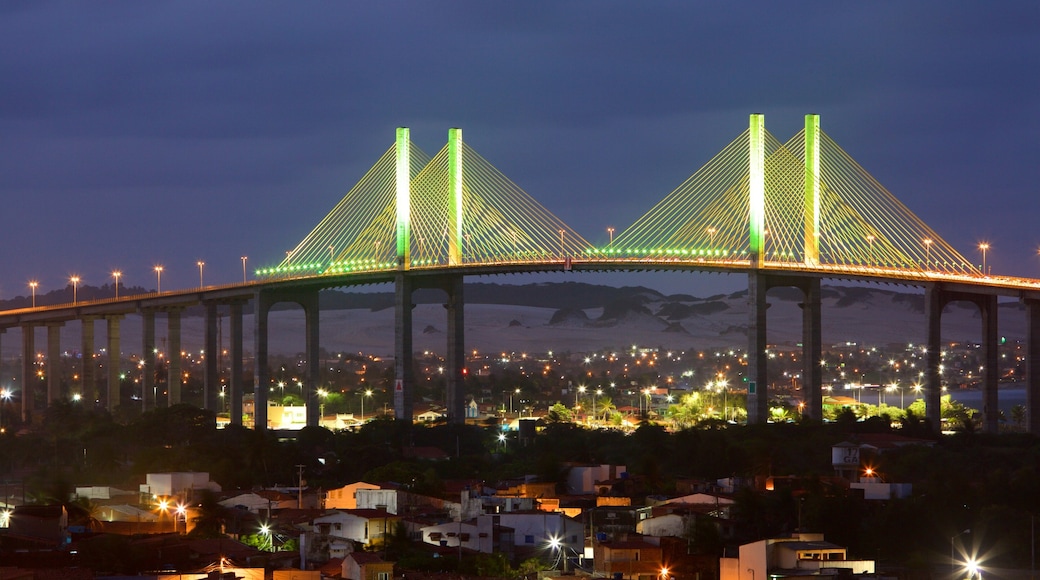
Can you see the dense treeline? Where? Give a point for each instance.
(986, 483)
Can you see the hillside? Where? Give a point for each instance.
(586, 317)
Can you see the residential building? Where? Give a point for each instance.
(345, 498)
(798, 555)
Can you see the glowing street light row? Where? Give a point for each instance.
(117, 274)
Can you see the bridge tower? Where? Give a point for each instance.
(406, 282)
(760, 280)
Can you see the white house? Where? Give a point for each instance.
(368, 527)
(582, 479)
(180, 484)
(798, 555)
(529, 530)
(670, 525)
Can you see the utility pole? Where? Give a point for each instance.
(299, 487)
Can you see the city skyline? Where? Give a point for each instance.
(136, 137)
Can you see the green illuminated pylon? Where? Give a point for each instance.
(756, 188)
(812, 190)
(455, 196)
(403, 198)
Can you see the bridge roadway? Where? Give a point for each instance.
(940, 290)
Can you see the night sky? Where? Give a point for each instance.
(141, 133)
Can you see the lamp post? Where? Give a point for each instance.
(610, 232)
(75, 287)
(367, 393)
(516, 392)
(32, 286)
(244, 258)
(116, 275)
(158, 279)
(322, 393)
(953, 562)
(711, 236)
(5, 396)
(200, 264)
(870, 244)
(983, 247)
(927, 251)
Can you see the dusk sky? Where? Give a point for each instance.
(141, 133)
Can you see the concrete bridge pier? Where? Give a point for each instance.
(90, 389)
(174, 379)
(456, 350)
(262, 375)
(29, 381)
(758, 376)
(937, 298)
(404, 374)
(54, 370)
(1033, 365)
(211, 350)
(236, 382)
(113, 398)
(148, 357)
(452, 285)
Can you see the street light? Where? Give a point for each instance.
(116, 275)
(711, 234)
(158, 279)
(870, 244)
(32, 285)
(75, 286)
(610, 231)
(5, 396)
(200, 264)
(322, 393)
(927, 251)
(244, 258)
(367, 393)
(983, 247)
(953, 562)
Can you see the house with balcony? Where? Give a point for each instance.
(797, 555)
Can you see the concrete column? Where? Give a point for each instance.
(114, 350)
(29, 380)
(758, 397)
(174, 378)
(211, 372)
(54, 370)
(1033, 365)
(812, 374)
(403, 351)
(990, 348)
(237, 383)
(456, 351)
(933, 306)
(311, 313)
(148, 356)
(90, 389)
(261, 373)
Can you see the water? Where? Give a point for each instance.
(1008, 396)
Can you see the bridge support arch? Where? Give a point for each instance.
(758, 378)
(29, 381)
(937, 297)
(404, 383)
(265, 299)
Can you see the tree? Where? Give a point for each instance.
(559, 413)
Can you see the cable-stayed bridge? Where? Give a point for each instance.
(784, 213)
